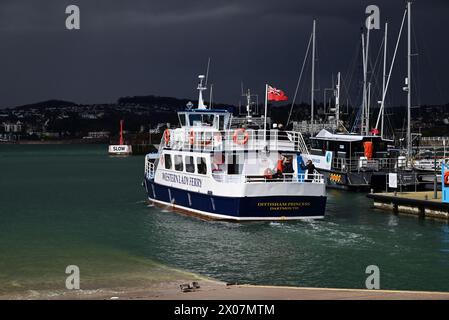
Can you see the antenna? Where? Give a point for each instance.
(248, 104)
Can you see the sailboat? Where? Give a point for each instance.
(364, 160)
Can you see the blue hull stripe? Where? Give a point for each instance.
(244, 207)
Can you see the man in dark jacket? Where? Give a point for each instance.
(310, 167)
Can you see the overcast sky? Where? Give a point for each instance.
(142, 47)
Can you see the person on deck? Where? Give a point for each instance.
(279, 169)
(284, 166)
(288, 167)
(310, 170)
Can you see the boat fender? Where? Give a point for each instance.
(446, 178)
(167, 137)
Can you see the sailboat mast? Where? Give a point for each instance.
(368, 104)
(365, 81)
(337, 101)
(384, 78)
(409, 79)
(312, 98)
(362, 119)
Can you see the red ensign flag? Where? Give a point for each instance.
(276, 94)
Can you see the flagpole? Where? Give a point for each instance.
(265, 118)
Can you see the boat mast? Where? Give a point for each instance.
(312, 99)
(211, 95)
(409, 79)
(384, 78)
(365, 79)
(368, 103)
(382, 106)
(337, 101)
(248, 104)
(362, 119)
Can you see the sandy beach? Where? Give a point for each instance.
(216, 290)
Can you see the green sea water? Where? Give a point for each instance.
(74, 205)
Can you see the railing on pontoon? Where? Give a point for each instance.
(375, 164)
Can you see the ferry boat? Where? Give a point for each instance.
(121, 149)
(211, 169)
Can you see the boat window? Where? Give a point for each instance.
(190, 166)
(201, 165)
(316, 144)
(221, 124)
(167, 160)
(208, 119)
(178, 163)
(182, 119)
(195, 119)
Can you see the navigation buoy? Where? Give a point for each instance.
(121, 149)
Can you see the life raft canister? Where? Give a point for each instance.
(236, 135)
(368, 149)
(167, 137)
(446, 178)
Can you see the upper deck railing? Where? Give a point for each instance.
(285, 178)
(205, 139)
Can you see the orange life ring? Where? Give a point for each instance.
(236, 139)
(167, 137)
(192, 137)
(446, 178)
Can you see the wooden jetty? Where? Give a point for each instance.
(422, 203)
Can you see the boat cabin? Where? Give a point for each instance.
(214, 119)
(348, 146)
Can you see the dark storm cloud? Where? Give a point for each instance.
(158, 47)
